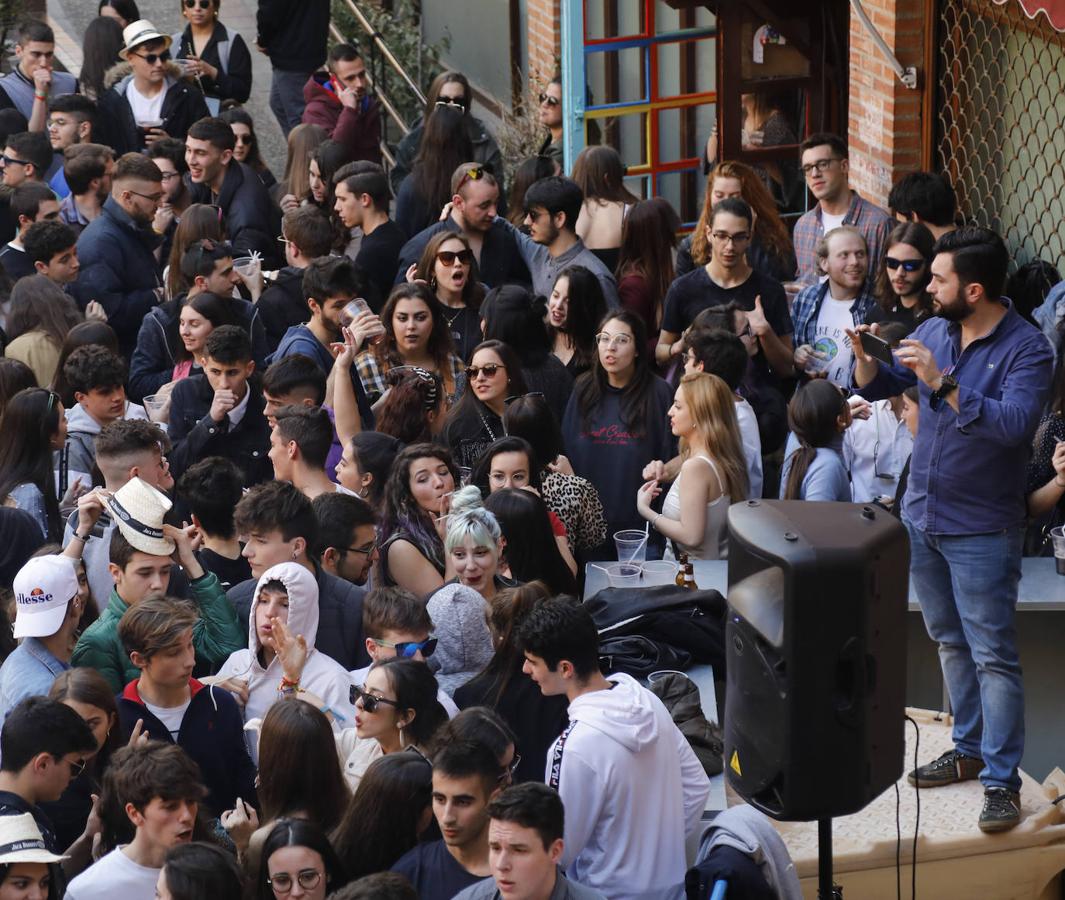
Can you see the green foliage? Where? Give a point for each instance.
(400, 29)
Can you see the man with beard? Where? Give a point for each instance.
(823, 313)
(983, 374)
(87, 172)
(116, 250)
(552, 206)
(474, 203)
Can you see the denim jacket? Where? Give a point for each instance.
(28, 672)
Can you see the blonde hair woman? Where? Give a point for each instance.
(713, 471)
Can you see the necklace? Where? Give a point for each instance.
(451, 321)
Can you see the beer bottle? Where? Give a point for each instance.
(679, 580)
(689, 575)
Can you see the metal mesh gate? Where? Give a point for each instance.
(1001, 123)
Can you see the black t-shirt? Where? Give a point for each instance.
(909, 317)
(434, 872)
(378, 258)
(690, 294)
(229, 571)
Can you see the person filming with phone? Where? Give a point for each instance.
(983, 375)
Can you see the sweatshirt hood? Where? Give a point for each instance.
(81, 422)
(625, 713)
(302, 591)
(318, 87)
(464, 642)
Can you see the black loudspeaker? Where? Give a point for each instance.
(816, 650)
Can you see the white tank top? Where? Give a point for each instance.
(715, 538)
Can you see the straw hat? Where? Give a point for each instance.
(21, 841)
(43, 588)
(140, 32)
(138, 511)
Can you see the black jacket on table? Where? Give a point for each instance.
(212, 733)
(294, 33)
(252, 220)
(339, 617)
(195, 435)
(182, 106)
(501, 263)
(232, 84)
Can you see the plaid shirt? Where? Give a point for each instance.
(807, 305)
(870, 220)
(374, 382)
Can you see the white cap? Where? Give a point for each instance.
(43, 588)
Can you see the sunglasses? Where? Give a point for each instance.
(908, 265)
(474, 173)
(153, 58)
(450, 257)
(245, 139)
(407, 649)
(453, 102)
(203, 4)
(489, 371)
(549, 100)
(370, 702)
(11, 161)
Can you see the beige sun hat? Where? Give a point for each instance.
(138, 511)
(21, 842)
(140, 32)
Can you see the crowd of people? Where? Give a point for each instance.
(299, 474)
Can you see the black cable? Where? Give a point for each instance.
(917, 820)
(898, 844)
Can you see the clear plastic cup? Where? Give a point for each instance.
(247, 266)
(631, 545)
(623, 574)
(660, 571)
(156, 407)
(352, 310)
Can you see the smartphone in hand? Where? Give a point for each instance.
(877, 347)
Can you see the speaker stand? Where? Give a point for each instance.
(826, 890)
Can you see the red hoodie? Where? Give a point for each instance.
(359, 129)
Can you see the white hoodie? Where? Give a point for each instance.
(322, 675)
(633, 789)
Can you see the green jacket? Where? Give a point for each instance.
(216, 635)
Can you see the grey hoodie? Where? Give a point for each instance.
(459, 616)
(81, 431)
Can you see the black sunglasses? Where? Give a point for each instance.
(549, 100)
(202, 4)
(449, 257)
(908, 265)
(370, 702)
(153, 58)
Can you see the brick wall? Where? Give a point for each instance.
(884, 131)
(543, 39)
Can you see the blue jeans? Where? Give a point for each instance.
(967, 588)
(286, 98)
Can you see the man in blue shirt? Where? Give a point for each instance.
(983, 373)
(48, 603)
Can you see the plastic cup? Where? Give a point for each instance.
(660, 571)
(247, 265)
(631, 545)
(624, 574)
(353, 310)
(1057, 538)
(156, 407)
